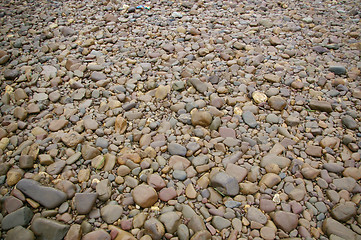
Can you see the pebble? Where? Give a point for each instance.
(49, 229)
(154, 228)
(111, 213)
(97, 234)
(344, 211)
(285, 220)
(249, 119)
(46, 196)
(225, 183)
(20, 232)
(20, 217)
(145, 196)
(217, 108)
(201, 118)
(349, 122)
(254, 214)
(171, 221)
(177, 149)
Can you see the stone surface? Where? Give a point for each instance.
(285, 220)
(225, 183)
(84, 202)
(144, 195)
(49, 229)
(230, 112)
(20, 217)
(46, 196)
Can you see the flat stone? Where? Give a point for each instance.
(49, 229)
(270, 180)
(254, 214)
(56, 167)
(225, 183)
(171, 221)
(111, 213)
(99, 234)
(20, 217)
(46, 196)
(346, 183)
(337, 69)
(154, 228)
(236, 171)
(74, 233)
(277, 103)
(162, 92)
(97, 76)
(202, 235)
(121, 234)
(156, 181)
(84, 202)
(331, 226)
(282, 162)
(220, 223)
(58, 124)
(26, 162)
(11, 74)
(344, 211)
(314, 151)
(249, 119)
(72, 139)
(145, 196)
(321, 106)
(19, 232)
(201, 87)
(67, 31)
(104, 190)
(167, 194)
(13, 176)
(89, 152)
(176, 149)
(272, 78)
(285, 220)
(349, 122)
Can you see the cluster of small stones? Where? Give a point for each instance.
(189, 120)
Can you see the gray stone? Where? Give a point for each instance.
(322, 106)
(225, 184)
(199, 85)
(346, 183)
(182, 232)
(11, 74)
(220, 223)
(338, 69)
(46, 229)
(349, 122)
(154, 228)
(84, 202)
(249, 119)
(177, 149)
(46, 196)
(104, 190)
(20, 217)
(19, 232)
(344, 211)
(331, 226)
(254, 214)
(171, 221)
(111, 213)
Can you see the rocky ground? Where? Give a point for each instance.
(189, 120)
